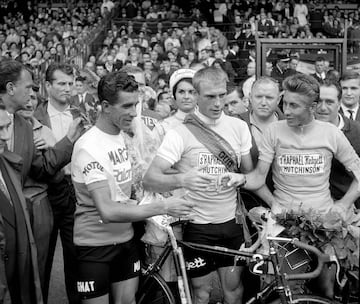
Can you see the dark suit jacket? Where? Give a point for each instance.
(278, 74)
(11, 162)
(43, 117)
(234, 60)
(40, 165)
(320, 80)
(357, 117)
(340, 178)
(89, 100)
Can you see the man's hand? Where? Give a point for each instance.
(40, 143)
(342, 209)
(195, 180)
(231, 179)
(178, 207)
(76, 129)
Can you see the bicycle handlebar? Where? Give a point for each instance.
(322, 258)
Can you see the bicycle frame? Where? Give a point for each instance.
(279, 283)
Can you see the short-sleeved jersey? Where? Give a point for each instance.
(100, 157)
(301, 162)
(182, 150)
(162, 127)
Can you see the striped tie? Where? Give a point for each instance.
(351, 116)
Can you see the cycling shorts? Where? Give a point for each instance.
(200, 263)
(101, 266)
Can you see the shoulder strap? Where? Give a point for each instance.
(223, 151)
(215, 143)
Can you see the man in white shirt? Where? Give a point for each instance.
(183, 150)
(350, 86)
(56, 114)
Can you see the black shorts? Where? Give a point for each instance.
(101, 266)
(200, 263)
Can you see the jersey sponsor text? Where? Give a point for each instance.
(91, 166)
(85, 286)
(118, 156)
(213, 165)
(301, 164)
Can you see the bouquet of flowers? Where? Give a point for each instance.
(329, 232)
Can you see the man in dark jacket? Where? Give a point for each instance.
(56, 114)
(19, 274)
(328, 110)
(16, 84)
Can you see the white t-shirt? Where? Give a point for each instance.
(301, 163)
(99, 157)
(182, 150)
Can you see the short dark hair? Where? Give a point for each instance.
(111, 84)
(65, 68)
(319, 59)
(348, 75)
(160, 96)
(303, 84)
(10, 71)
(80, 78)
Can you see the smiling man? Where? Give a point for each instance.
(20, 280)
(208, 144)
(300, 150)
(350, 86)
(16, 85)
(327, 109)
(108, 254)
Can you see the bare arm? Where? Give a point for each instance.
(263, 192)
(158, 179)
(351, 195)
(111, 211)
(251, 181)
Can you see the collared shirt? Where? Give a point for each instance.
(347, 113)
(7, 194)
(321, 76)
(256, 130)
(341, 122)
(10, 142)
(60, 124)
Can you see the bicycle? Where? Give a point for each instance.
(154, 290)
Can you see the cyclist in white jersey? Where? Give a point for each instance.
(102, 173)
(300, 150)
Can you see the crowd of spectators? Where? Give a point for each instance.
(151, 34)
(160, 37)
(38, 35)
(156, 38)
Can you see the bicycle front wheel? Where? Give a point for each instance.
(311, 299)
(154, 290)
